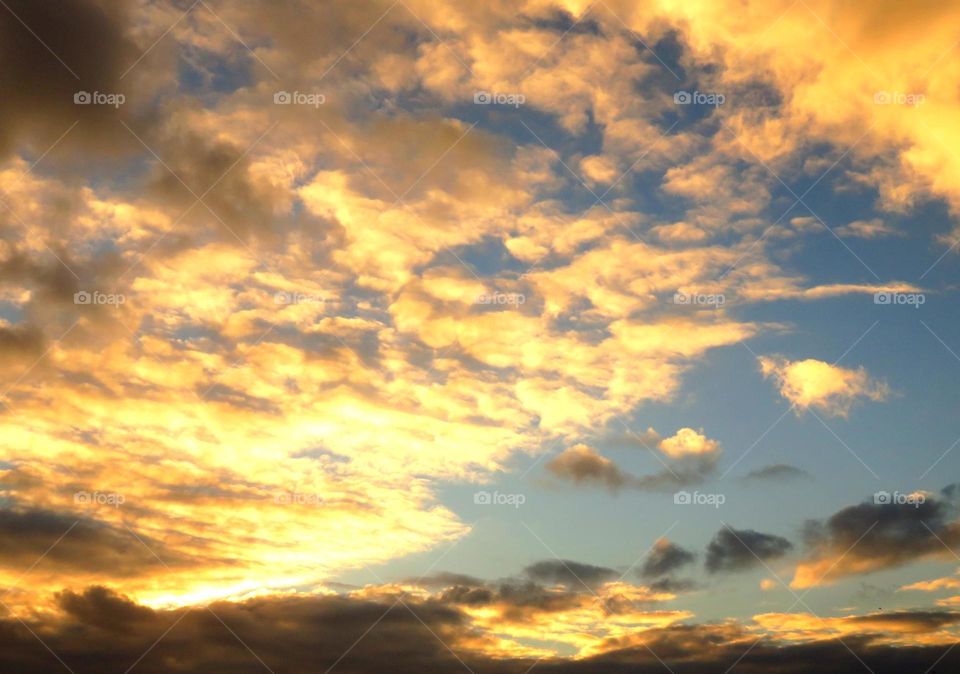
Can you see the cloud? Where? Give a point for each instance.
(693, 457)
(583, 465)
(734, 550)
(688, 442)
(100, 630)
(946, 583)
(92, 548)
(396, 364)
(665, 558)
(569, 573)
(47, 54)
(866, 229)
(777, 472)
(815, 384)
(871, 537)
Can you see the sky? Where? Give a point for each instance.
(538, 336)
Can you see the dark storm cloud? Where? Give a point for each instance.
(887, 535)
(664, 558)
(100, 631)
(565, 572)
(91, 546)
(778, 472)
(739, 549)
(48, 52)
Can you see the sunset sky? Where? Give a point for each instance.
(547, 336)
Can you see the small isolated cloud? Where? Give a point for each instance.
(777, 472)
(566, 572)
(599, 169)
(665, 558)
(740, 549)
(829, 388)
(583, 465)
(946, 583)
(688, 442)
(866, 229)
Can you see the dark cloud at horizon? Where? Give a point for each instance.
(100, 631)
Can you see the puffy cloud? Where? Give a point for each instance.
(734, 550)
(691, 458)
(688, 442)
(583, 465)
(665, 558)
(815, 384)
(871, 537)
